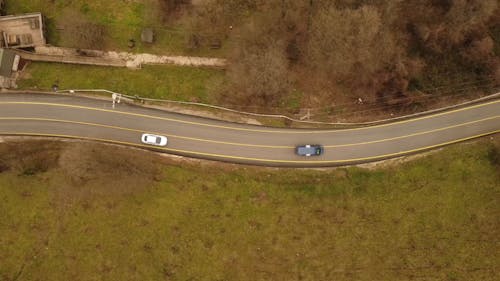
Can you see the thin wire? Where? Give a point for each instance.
(378, 109)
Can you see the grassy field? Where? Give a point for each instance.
(71, 212)
(122, 20)
(168, 82)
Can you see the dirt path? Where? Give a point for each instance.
(131, 60)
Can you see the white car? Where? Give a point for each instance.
(154, 139)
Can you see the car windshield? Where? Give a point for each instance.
(158, 140)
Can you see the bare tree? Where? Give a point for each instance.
(169, 8)
(260, 76)
(496, 71)
(443, 25)
(466, 16)
(480, 50)
(350, 42)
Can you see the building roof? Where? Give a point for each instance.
(147, 35)
(6, 62)
(21, 31)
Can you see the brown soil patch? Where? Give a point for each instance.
(81, 170)
(30, 157)
(100, 169)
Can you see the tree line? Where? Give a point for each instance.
(380, 50)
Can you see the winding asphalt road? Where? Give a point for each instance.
(91, 119)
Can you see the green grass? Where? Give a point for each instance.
(123, 20)
(293, 100)
(167, 82)
(95, 217)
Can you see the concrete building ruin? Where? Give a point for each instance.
(22, 31)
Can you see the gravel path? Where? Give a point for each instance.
(133, 60)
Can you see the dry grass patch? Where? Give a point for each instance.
(29, 158)
(95, 164)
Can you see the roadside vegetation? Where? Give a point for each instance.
(165, 82)
(387, 56)
(86, 211)
(341, 59)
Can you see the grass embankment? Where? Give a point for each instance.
(86, 212)
(166, 82)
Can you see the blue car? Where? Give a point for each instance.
(309, 150)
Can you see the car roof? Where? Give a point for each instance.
(307, 149)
